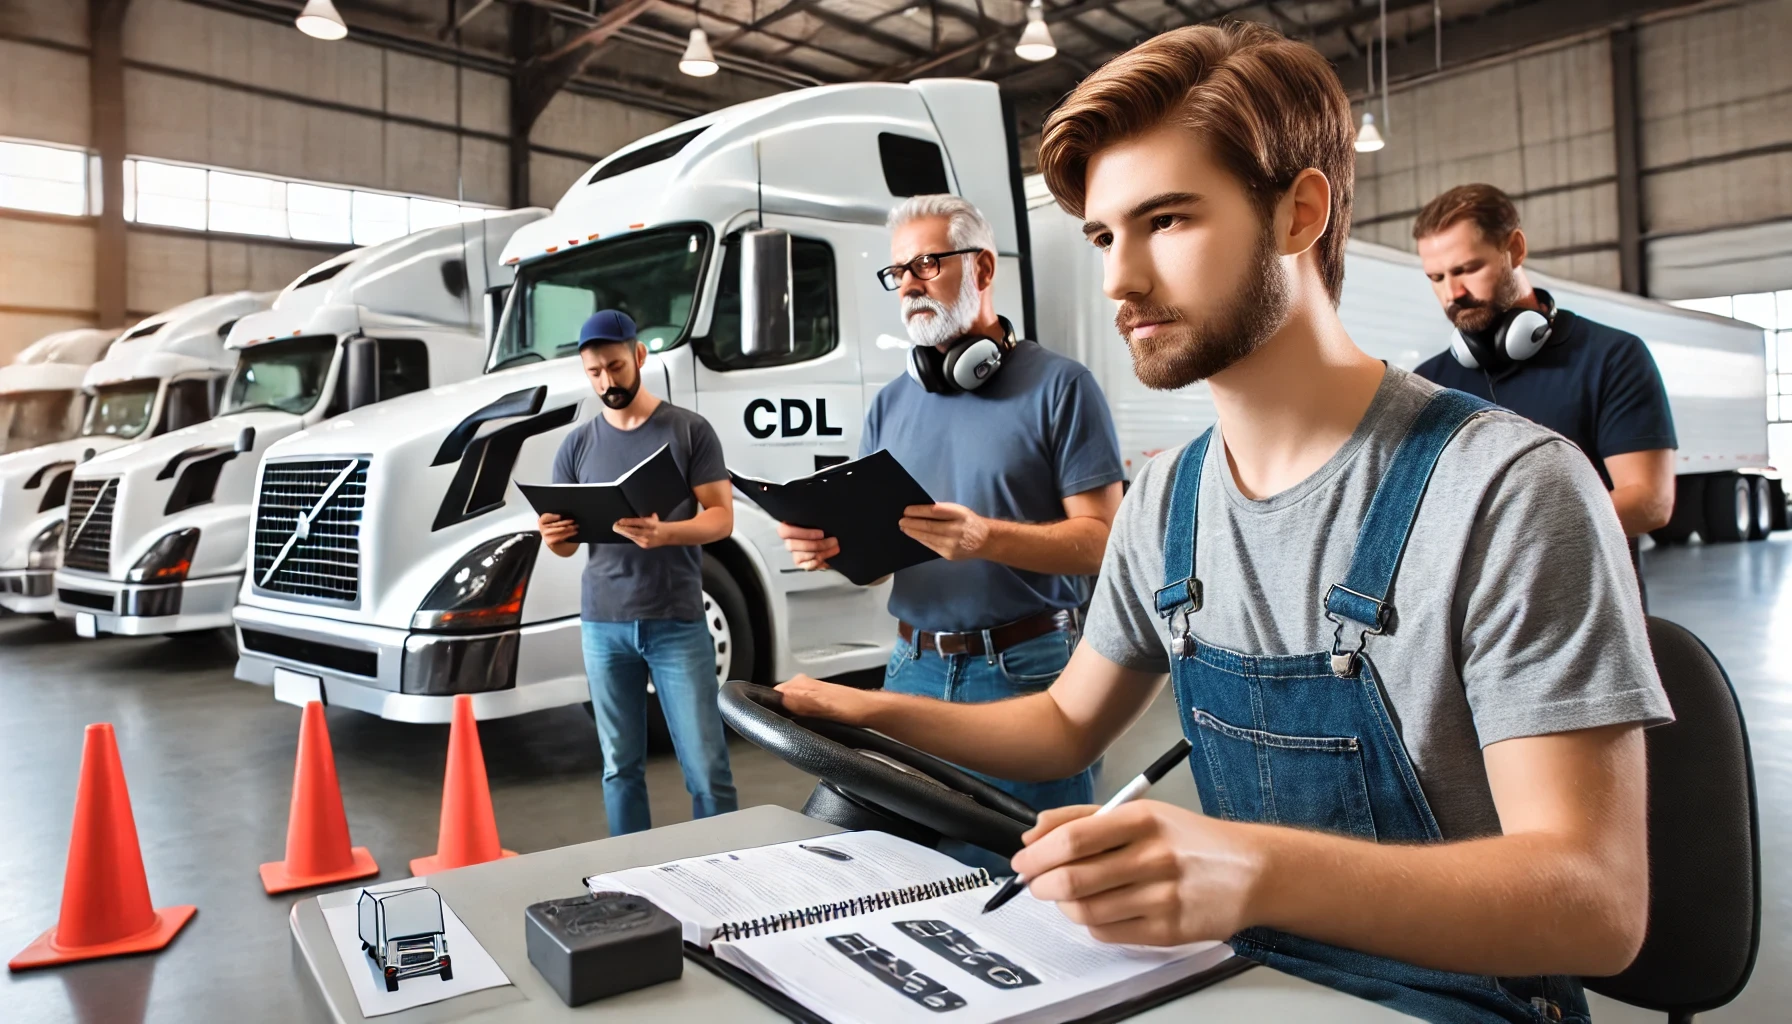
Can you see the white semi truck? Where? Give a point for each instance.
(158, 532)
(165, 373)
(40, 390)
(781, 196)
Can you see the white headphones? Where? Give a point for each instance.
(966, 365)
(1518, 335)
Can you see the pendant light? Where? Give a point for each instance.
(1368, 139)
(1036, 39)
(699, 61)
(319, 20)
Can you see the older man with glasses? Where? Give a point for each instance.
(1018, 444)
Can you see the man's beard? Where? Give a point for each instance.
(1477, 316)
(948, 323)
(1180, 353)
(620, 397)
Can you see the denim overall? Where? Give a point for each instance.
(1305, 739)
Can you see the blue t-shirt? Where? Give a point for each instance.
(624, 583)
(1014, 449)
(1597, 386)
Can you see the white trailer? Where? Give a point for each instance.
(164, 373)
(40, 390)
(158, 532)
(1714, 368)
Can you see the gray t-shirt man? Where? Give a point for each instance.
(624, 583)
(1517, 612)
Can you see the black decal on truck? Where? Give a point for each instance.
(754, 408)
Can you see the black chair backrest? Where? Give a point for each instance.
(1704, 845)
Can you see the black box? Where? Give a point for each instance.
(594, 946)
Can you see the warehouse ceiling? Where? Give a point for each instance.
(630, 48)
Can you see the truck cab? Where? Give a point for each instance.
(165, 373)
(40, 390)
(158, 531)
(449, 593)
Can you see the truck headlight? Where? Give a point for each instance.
(168, 559)
(46, 548)
(484, 590)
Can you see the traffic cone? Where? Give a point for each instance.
(105, 895)
(469, 832)
(317, 844)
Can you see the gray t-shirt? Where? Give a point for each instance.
(1517, 612)
(624, 583)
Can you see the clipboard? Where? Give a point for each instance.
(653, 487)
(860, 504)
(792, 1010)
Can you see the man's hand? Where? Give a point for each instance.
(817, 699)
(646, 532)
(1147, 872)
(952, 531)
(809, 549)
(557, 529)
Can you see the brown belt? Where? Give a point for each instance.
(1000, 638)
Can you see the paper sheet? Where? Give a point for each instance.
(474, 968)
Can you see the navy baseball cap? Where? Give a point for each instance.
(606, 326)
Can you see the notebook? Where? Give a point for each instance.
(860, 504)
(655, 486)
(865, 926)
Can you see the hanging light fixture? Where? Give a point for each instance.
(699, 61)
(319, 20)
(1036, 39)
(1368, 139)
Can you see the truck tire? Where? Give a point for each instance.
(1729, 509)
(1762, 494)
(1689, 511)
(1777, 490)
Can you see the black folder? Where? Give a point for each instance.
(859, 503)
(655, 486)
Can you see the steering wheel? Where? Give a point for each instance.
(894, 777)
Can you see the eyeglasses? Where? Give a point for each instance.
(925, 267)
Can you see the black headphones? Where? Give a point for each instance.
(966, 365)
(1516, 336)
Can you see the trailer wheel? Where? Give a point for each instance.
(1776, 490)
(1729, 509)
(1689, 511)
(1762, 494)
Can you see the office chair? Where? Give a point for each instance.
(1704, 843)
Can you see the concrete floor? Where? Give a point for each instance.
(209, 763)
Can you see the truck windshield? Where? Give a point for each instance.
(284, 375)
(120, 410)
(652, 276)
(31, 418)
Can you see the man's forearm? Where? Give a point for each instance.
(1524, 904)
(1071, 546)
(1641, 509)
(706, 527)
(1028, 739)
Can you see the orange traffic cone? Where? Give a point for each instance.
(469, 833)
(317, 844)
(105, 895)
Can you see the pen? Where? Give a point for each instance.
(1128, 793)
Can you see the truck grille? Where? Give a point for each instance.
(324, 564)
(89, 543)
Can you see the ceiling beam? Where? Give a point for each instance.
(608, 24)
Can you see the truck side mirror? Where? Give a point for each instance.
(360, 364)
(767, 328)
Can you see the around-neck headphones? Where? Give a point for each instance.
(966, 365)
(1516, 336)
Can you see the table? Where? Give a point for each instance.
(490, 899)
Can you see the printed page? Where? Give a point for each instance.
(944, 960)
(705, 893)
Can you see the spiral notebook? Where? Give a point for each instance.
(864, 926)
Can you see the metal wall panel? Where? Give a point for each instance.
(47, 264)
(550, 177)
(586, 124)
(43, 94)
(62, 21)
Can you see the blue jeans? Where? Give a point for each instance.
(1025, 668)
(681, 657)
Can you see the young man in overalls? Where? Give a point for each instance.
(1401, 625)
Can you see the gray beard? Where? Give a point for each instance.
(948, 323)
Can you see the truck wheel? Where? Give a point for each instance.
(725, 613)
(1689, 511)
(1776, 490)
(1729, 509)
(1762, 493)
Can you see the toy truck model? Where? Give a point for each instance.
(402, 933)
(158, 531)
(164, 373)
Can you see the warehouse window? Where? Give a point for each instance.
(45, 179)
(1772, 312)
